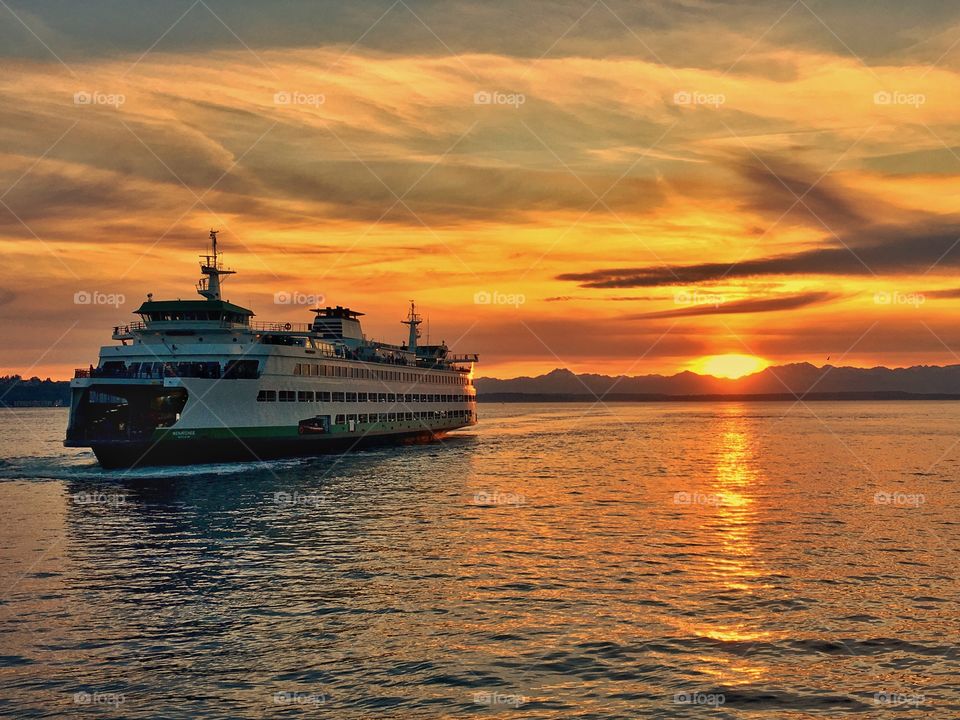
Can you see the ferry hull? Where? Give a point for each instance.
(168, 451)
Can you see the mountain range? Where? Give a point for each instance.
(791, 379)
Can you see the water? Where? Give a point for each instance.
(557, 561)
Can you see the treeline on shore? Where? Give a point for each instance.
(17, 391)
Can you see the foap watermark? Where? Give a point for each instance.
(294, 297)
(496, 97)
(496, 497)
(85, 697)
(299, 98)
(95, 297)
(697, 498)
(99, 498)
(896, 297)
(492, 698)
(83, 97)
(886, 697)
(289, 697)
(886, 97)
(695, 97)
(699, 698)
(495, 297)
(899, 499)
(285, 499)
(696, 297)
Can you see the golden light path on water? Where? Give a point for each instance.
(733, 566)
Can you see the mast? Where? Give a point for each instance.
(413, 320)
(211, 266)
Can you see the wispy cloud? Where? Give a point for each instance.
(737, 307)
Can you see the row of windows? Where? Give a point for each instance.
(311, 396)
(179, 315)
(362, 373)
(393, 417)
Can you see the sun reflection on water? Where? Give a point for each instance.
(733, 568)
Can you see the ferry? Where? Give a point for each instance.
(199, 381)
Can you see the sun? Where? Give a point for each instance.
(729, 366)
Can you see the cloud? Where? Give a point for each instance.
(948, 294)
(778, 187)
(892, 251)
(716, 34)
(757, 305)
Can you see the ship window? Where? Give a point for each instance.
(391, 397)
(361, 419)
(323, 397)
(340, 420)
(305, 396)
(382, 417)
(408, 398)
(351, 397)
(241, 369)
(351, 418)
(99, 398)
(408, 416)
(267, 396)
(393, 417)
(338, 397)
(297, 369)
(372, 397)
(361, 397)
(382, 397)
(288, 396)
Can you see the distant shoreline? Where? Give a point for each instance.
(662, 398)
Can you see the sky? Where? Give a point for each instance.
(613, 187)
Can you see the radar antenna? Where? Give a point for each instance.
(413, 320)
(211, 266)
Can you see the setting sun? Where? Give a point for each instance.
(729, 366)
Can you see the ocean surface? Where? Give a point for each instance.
(557, 561)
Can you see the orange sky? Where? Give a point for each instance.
(640, 191)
